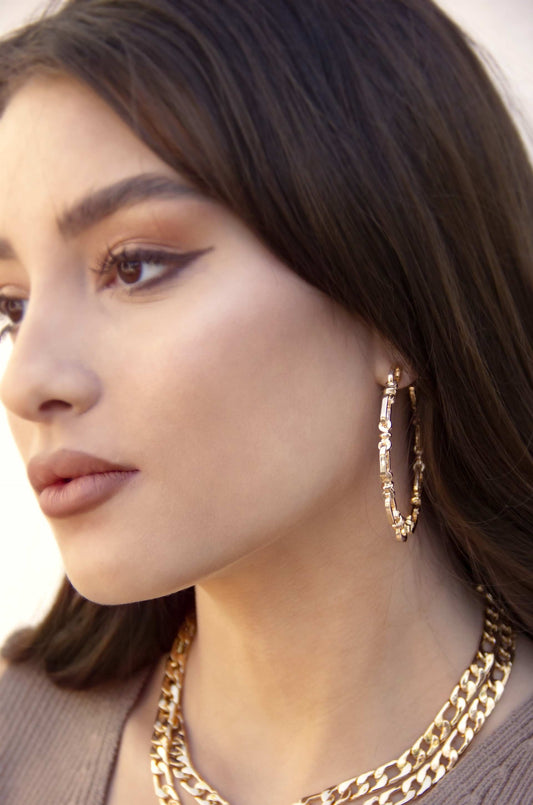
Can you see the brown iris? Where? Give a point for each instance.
(14, 309)
(130, 271)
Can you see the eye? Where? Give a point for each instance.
(143, 268)
(134, 271)
(12, 311)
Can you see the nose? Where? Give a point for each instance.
(49, 373)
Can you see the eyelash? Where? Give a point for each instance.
(109, 265)
(111, 262)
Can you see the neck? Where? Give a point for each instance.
(314, 662)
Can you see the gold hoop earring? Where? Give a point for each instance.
(402, 526)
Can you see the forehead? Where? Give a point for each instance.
(59, 140)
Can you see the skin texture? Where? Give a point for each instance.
(259, 396)
(248, 402)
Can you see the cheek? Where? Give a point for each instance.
(255, 408)
(248, 414)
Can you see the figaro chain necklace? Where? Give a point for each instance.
(421, 766)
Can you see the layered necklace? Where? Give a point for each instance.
(421, 766)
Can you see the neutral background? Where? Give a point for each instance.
(30, 566)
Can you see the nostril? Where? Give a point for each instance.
(54, 405)
(39, 385)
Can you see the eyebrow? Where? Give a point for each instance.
(100, 204)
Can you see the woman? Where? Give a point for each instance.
(267, 242)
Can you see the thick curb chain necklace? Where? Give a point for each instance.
(421, 766)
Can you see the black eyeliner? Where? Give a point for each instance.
(176, 262)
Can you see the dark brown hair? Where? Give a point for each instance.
(366, 146)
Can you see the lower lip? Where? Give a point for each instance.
(83, 493)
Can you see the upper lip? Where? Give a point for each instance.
(47, 469)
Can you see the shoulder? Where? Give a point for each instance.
(71, 736)
(27, 683)
(31, 684)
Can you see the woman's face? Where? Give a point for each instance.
(157, 333)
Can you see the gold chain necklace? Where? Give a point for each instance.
(421, 766)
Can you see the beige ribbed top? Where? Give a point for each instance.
(59, 747)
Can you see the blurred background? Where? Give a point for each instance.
(30, 565)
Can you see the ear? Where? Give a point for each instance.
(386, 359)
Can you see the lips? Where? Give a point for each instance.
(69, 482)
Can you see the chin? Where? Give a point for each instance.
(112, 586)
(105, 595)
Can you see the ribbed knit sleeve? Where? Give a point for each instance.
(58, 746)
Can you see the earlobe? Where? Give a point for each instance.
(386, 359)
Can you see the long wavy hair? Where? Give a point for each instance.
(366, 146)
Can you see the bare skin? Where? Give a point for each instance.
(324, 647)
(333, 731)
